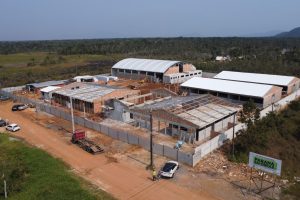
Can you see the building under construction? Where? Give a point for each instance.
(190, 118)
(89, 97)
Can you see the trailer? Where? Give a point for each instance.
(79, 138)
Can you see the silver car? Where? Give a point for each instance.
(13, 127)
(169, 169)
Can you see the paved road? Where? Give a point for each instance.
(123, 180)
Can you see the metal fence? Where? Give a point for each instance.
(188, 158)
(112, 132)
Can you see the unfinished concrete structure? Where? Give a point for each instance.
(288, 84)
(122, 106)
(192, 119)
(89, 97)
(237, 92)
(165, 71)
(46, 92)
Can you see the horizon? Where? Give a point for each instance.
(61, 20)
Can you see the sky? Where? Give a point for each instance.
(83, 19)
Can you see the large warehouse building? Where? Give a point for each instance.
(262, 95)
(288, 84)
(165, 71)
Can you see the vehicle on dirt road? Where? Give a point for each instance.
(13, 127)
(79, 138)
(19, 107)
(169, 169)
(2, 123)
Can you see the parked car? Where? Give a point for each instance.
(4, 98)
(2, 123)
(18, 107)
(13, 127)
(169, 169)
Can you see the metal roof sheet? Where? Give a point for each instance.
(232, 87)
(47, 83)
(49, 89)
(88, 92)
(255, 78)
(149, 65)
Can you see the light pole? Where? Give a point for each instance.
(273, 100)
(151, 140)
(233, 130)
(72, 115)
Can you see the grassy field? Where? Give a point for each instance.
(33, 174)
(39, 58)
(22, 68)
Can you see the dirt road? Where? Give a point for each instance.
(123, 180)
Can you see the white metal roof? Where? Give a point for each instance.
(88, 93)
(255, 78)
(149, 65)
(232, 87)
(49, 89)
(47, 83)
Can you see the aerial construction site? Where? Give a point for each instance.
(149, 111)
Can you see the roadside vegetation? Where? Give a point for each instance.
(31, 174)
(32, 61)
(276, 135)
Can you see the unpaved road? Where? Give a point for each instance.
(123, 180)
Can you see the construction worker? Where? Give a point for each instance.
(154, 175)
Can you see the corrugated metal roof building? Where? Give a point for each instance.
(154, 70)
(262, 95)
(288, 83)
(34, 86)
(88, 97)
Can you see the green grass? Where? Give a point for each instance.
(22, 59)
(23, 68)
(33, 174)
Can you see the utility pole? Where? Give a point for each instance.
(151, 141)
(84, 110)
(72, 115)
(233, 130)
(273, 100)
(5, 192)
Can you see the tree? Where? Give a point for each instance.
(250, 113)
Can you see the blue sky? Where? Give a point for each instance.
(71, 19)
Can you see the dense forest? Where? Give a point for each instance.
(264, 55)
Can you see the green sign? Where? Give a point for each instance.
(265, 163)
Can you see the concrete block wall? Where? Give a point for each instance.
(79, 121)
(185, 158)
(88, 123)
(133, 139)
(104, 129)
(158, 149)
(113, 133)
(145, 143)
(123, 136)
(170, 152)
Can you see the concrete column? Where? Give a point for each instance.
(165, 128)
(158, 128)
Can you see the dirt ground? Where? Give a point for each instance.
(121, 169)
